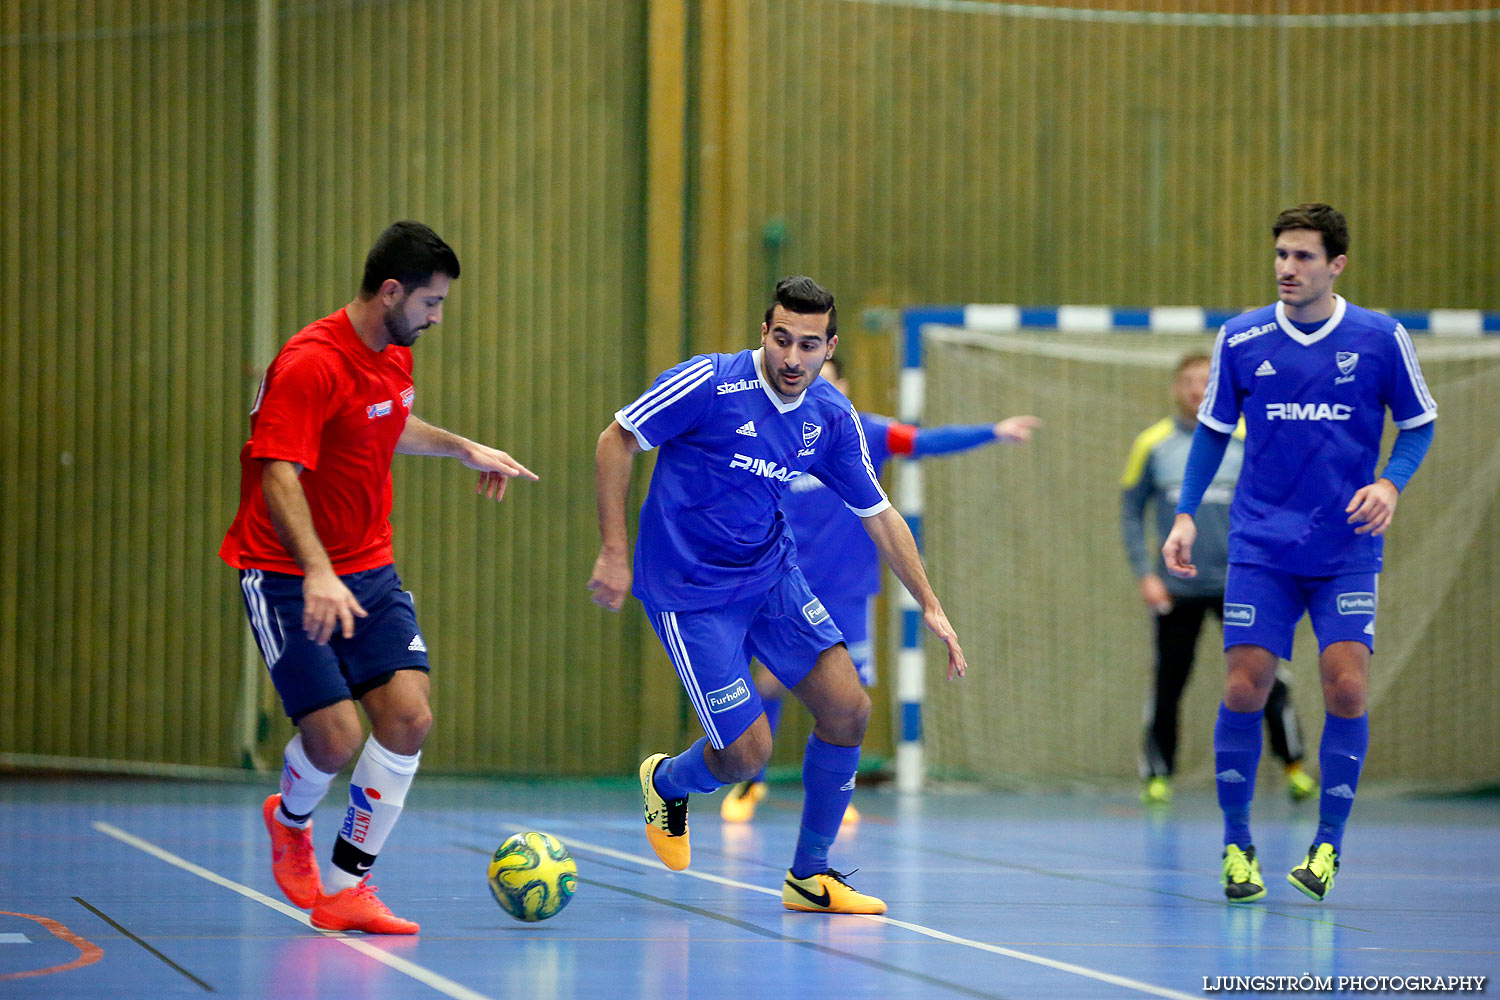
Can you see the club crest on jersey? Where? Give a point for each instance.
(810, 434)
(1346, 362)
(763, 467)
(408, 395)
(380, 409)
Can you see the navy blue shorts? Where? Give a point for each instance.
(787, 630)
(309, 676)
(1263, 606)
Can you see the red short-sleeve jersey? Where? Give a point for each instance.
(336, 407)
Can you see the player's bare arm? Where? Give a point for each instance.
(1016, 430)
(893, 538)
(1373, 507)
(494, 466)
(326, 601)
(1177, 550)
(613, 458)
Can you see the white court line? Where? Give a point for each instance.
(424, 976)
(937, 935)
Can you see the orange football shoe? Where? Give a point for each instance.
(359, 909)
(293, 863)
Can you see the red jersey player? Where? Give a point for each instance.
(312, 542)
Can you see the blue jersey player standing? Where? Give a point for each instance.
(1313, 376)
(716, 568)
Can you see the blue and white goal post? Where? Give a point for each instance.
(911, 400)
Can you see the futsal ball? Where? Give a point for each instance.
(532, 876)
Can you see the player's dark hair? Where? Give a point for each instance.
(1189, 360)
(409, 252)
(1315, 215)
(800, 294)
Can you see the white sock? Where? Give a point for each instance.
(302, 785)
(377, 791)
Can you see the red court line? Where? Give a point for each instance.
(88, 951)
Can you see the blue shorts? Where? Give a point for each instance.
(853, 616)
(1263, 606)
(787, 630)
(308, 676)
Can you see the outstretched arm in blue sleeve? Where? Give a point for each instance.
(921, 442)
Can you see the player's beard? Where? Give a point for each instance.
(397, 329)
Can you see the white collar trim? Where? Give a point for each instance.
(1308, 339)
(782, 406)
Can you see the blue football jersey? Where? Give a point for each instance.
(710, 529)
(1314, 408)
(835, 553)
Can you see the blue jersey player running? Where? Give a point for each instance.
(839, 561)
(716, 568)
(1313, 376)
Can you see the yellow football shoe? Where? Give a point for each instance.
(666, 822)
(827, 892)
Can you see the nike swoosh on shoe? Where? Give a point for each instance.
(823, 900)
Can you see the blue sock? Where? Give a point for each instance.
(772, 708)
(688, 772)
(1341, 756)
(1236, 759)
(828, 784)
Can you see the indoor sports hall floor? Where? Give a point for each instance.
(135, 888)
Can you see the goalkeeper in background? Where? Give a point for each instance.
(839, 559)
(1153, 478)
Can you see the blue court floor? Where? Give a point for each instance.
(115, 888)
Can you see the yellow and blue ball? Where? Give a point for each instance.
(532, 876)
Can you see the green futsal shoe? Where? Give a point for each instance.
(1314, 876)
(1242, 879)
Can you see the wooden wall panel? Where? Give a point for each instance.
(925, 151)
(124, 238)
